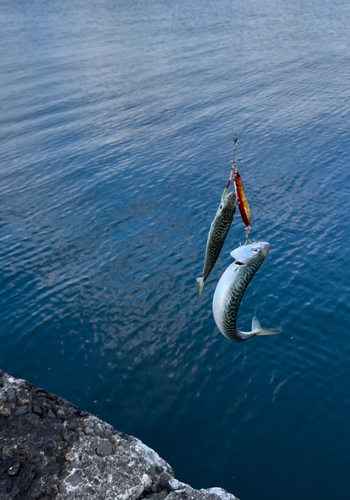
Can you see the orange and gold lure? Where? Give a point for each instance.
(243, 204)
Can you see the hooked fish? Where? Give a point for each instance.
(218, 231)
(231, 288)
(243, 205)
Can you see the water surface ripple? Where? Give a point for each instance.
(116, 134)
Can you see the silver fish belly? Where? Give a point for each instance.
(217, 235)
(231, 288)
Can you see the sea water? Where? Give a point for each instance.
(116, 138)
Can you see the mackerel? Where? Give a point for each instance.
(219, 229)
(230, 290)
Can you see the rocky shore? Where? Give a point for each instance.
(51, 449)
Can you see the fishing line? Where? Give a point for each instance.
(233, 166)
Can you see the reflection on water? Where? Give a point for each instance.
(116, 139)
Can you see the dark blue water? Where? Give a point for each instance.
(116, 129)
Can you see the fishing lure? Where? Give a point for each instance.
(243, 204)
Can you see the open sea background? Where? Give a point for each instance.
(116, 129)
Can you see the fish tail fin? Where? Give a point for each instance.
(201, 283)
(258, 330)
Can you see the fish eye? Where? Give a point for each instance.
(255, 249)
(220, 207)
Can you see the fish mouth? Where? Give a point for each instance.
(265, 247)
(230, 200)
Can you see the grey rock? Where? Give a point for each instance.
(86, 463)
(163, 479)
(69, 454)
(102, 491)
(72, 410)
(157, 496)
(11, 395)
(13, 470)
(94, 444)
(69, 436)
(35, 493)
(53, 469)
(72, 425)
(105, 448)
(31, 417)
(162, 495)
(153, 472)
(14, 492)
(37, 410)
(63, 490)
(21, 410)
(74, 479)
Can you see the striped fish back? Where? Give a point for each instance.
(239, 286)
(218, 232)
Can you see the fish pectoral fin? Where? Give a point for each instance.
(201, 283)
(258, 330)
(234, 254)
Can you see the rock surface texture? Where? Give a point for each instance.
(51, 449)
